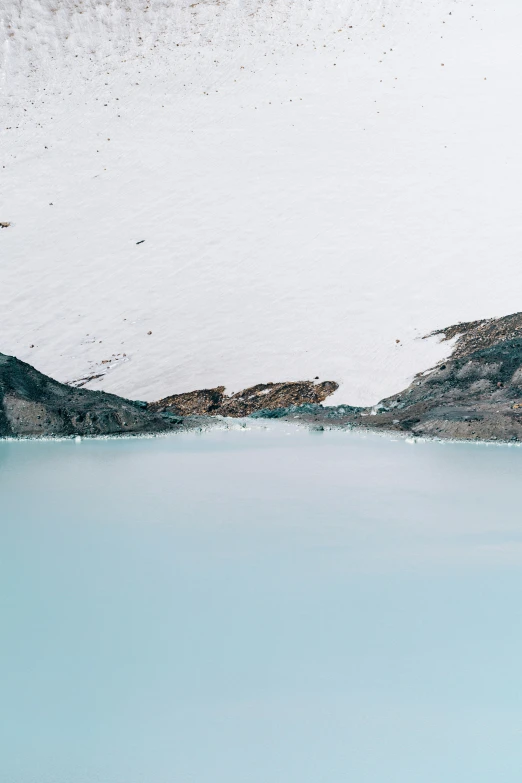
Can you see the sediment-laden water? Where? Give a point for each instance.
(260, 606)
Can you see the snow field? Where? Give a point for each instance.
(313, 182)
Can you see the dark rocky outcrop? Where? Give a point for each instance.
(32, 404)
(476, 394)
(475, 335)
(264, 396)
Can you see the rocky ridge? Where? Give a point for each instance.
(476, 394)
(32, 404)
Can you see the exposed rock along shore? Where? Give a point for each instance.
(32, 404)
(476, 394)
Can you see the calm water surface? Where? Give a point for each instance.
(260, 607)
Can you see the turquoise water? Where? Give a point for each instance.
(260, 607)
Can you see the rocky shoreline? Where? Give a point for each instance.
(34, 405)
(475, 394)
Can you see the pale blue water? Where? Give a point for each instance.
(259, 607)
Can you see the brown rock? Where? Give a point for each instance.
(263, 396)
(196, 403)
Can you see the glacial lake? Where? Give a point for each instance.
(260, 606)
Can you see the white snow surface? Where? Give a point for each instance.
(313, 181)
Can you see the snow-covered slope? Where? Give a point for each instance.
(313, 181)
